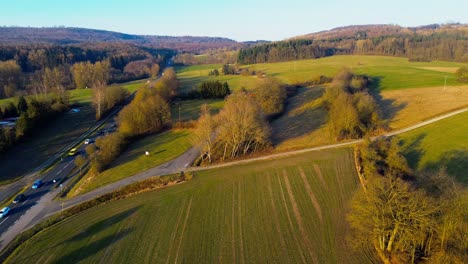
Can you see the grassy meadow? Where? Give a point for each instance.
(390, 73)
(441, 144)
(290, 210)
(191, 109)
(162, 148)
(408, 92)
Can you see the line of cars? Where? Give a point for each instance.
(20, 198)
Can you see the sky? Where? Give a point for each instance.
(240, 20)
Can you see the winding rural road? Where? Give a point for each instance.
(46, 206)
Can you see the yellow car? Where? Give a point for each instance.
(72, 152)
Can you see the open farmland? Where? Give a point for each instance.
(290, 210)
(441, 144)
(410, 106)
(390, 73)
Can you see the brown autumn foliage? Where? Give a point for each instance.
(240, 128)
(407, 218)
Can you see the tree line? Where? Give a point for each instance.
(147, 113)
(407, 217)
(444, 44)
(22, 67)
(33, 114)
(353, 112)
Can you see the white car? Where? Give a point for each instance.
(4, 212)
(87, 141)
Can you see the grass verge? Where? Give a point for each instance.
(162, 148)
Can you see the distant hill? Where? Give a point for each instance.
(70, 35)
(379, 30)
(425, 43)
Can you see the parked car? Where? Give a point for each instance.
(88, 141)
(19, 198)
(37, 184)
(72, 152)
(4, 211)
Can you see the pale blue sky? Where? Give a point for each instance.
(237, 19)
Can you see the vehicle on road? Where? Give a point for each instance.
(37, 184)
(72, 152)
(88, 141)
(4, 212)
(19, 198)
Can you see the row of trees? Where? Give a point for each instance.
(442, 44)
(148, 113)
(32, 115)
(407, 218)
(23, 67)
(353, 112)
(213, 89)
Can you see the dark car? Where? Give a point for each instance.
(19, 198)
(37, 184)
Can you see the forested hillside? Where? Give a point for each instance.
(66, 35)
(426, 43)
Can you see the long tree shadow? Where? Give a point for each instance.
(101, 225)
(413, 150)
(300, 117)
(88, 232)
(93, 248)
(456, 164)
(389, 107)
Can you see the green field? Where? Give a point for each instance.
(291, 210)
(162, 148)
(190, 109)
(391, 72)
(82, 96)
(441, 144)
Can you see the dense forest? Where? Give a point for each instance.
(24, 67)
(433, 42)
(69, 35)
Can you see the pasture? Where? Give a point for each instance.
(389, 73)
(187, 110)
(438, 145)
(288, 210)
(162, 147)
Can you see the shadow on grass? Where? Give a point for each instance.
(389, 107)
(90, 249)
(298, 118)
(101, 225)
(456, 164)
(136, 149)
(44, 143)
(413, 151)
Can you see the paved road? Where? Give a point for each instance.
(47, 206)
